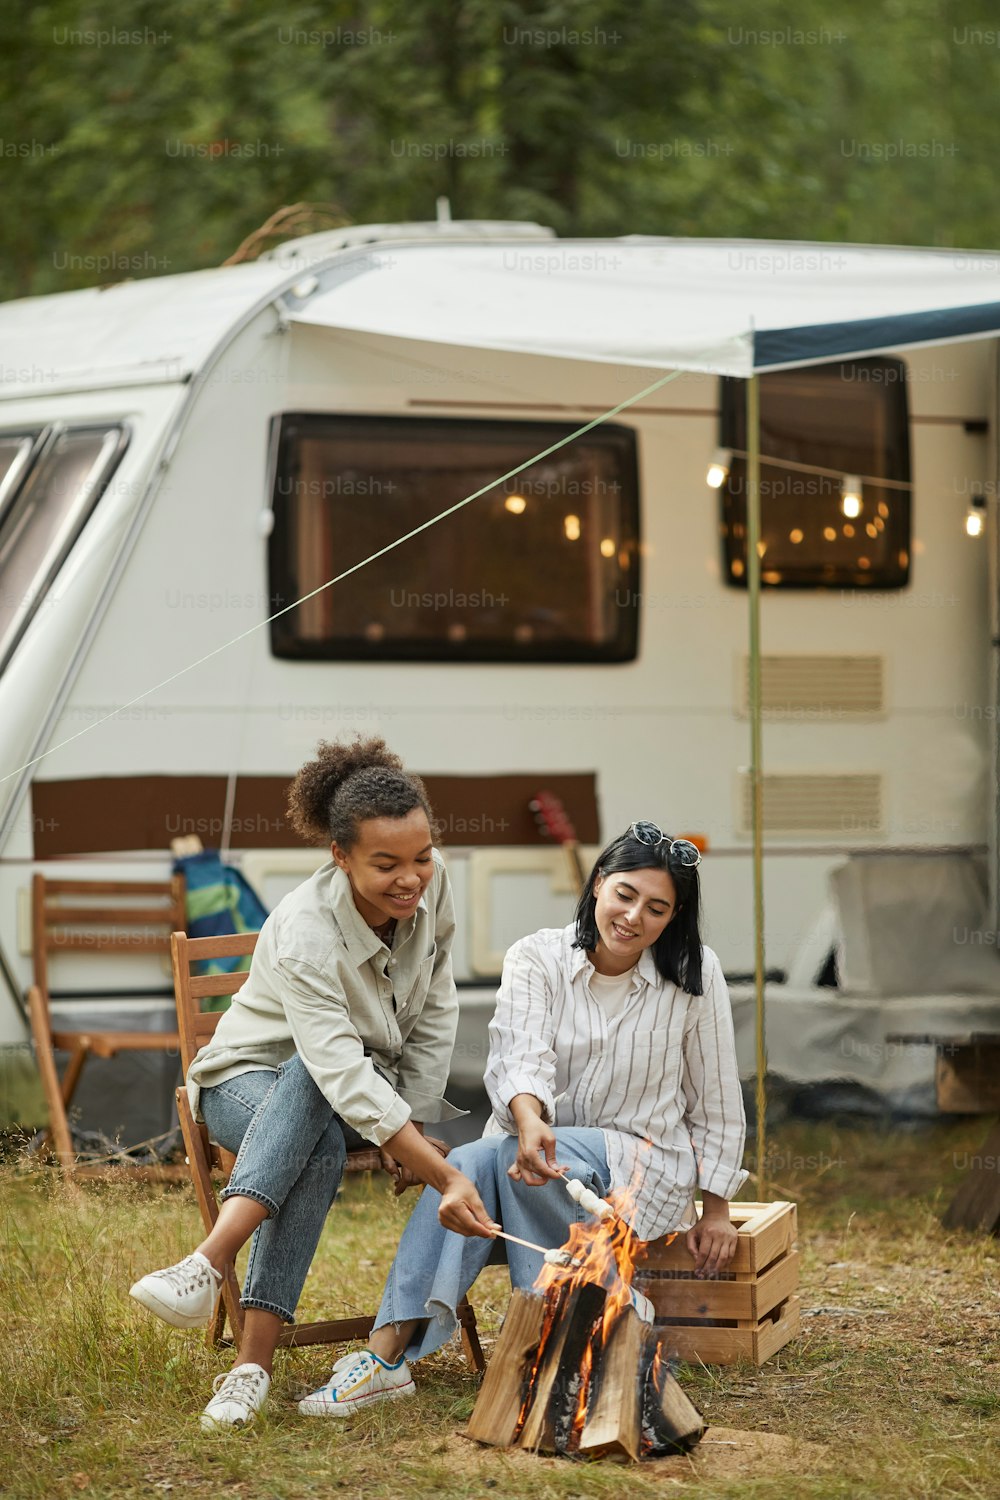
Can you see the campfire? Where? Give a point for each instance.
(577, 1368)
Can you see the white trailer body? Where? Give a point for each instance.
(168, 584)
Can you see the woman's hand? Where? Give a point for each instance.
(423, 1160)
(410, 1157)
(535, 1163)
(402, 1177)
(462, 1209)
(713, 1239)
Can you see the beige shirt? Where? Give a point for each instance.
(658, 1075)
(324, 985)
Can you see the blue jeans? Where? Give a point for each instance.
(434, 1267)
(290, 1153)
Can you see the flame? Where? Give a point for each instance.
(651, 1396)
(580, 1415)
(553, 1301)
(605, 1252)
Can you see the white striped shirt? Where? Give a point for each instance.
(659, 1077)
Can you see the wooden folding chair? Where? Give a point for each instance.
(195, 1027)
(93, 916)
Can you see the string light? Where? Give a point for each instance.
(850, 495)
(975, 518)
(718, 469)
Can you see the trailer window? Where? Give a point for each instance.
(851, 418)
(45, 515)
(541, 567)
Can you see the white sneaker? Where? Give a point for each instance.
(183, 1295)
(238, 1398)
(358, 1380)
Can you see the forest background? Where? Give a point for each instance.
(145, 139)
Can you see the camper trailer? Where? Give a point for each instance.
(186, 463)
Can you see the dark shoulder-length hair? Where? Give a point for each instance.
(677, 951)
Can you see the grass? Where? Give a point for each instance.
(892, 1390)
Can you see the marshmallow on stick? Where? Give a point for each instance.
(601, 1209)
(588, 1200)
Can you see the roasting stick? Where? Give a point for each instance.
(551, 1257)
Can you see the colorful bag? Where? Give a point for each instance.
(220, 901)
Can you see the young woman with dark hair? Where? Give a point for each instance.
(612, 1061)
(341, 1036)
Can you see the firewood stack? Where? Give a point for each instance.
(578, 1372)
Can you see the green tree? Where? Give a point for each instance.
(160, 148)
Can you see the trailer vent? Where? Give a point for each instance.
(816, 686)
(838, 806)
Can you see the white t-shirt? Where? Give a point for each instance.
(611, 990)
(659, 1078)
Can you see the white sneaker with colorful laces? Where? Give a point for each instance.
(238, 1398)
(183, 1295)
(358, 1380)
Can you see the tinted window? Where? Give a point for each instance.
(850, 418)
(542, 567)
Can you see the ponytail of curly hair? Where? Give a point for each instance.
(347, 783)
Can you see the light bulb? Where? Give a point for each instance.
(718, 469)
(850, 495)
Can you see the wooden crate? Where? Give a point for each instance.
(749, 1311)
(967, 1079)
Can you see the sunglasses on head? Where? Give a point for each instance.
(679, 851)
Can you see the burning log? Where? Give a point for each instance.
(670, 1422)
(496, 1419)
(577, 1368)
(569, 1375)
(614, 1410)
(556, 1387)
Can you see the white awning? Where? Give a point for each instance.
(726, 306)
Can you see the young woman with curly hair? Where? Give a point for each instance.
(341, 1036)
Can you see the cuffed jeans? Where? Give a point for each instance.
(434, 1267)
(290, 1153)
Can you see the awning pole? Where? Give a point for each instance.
(756, 757)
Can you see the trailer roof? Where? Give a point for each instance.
(165, 328)
(135, 332)
(726, 306)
